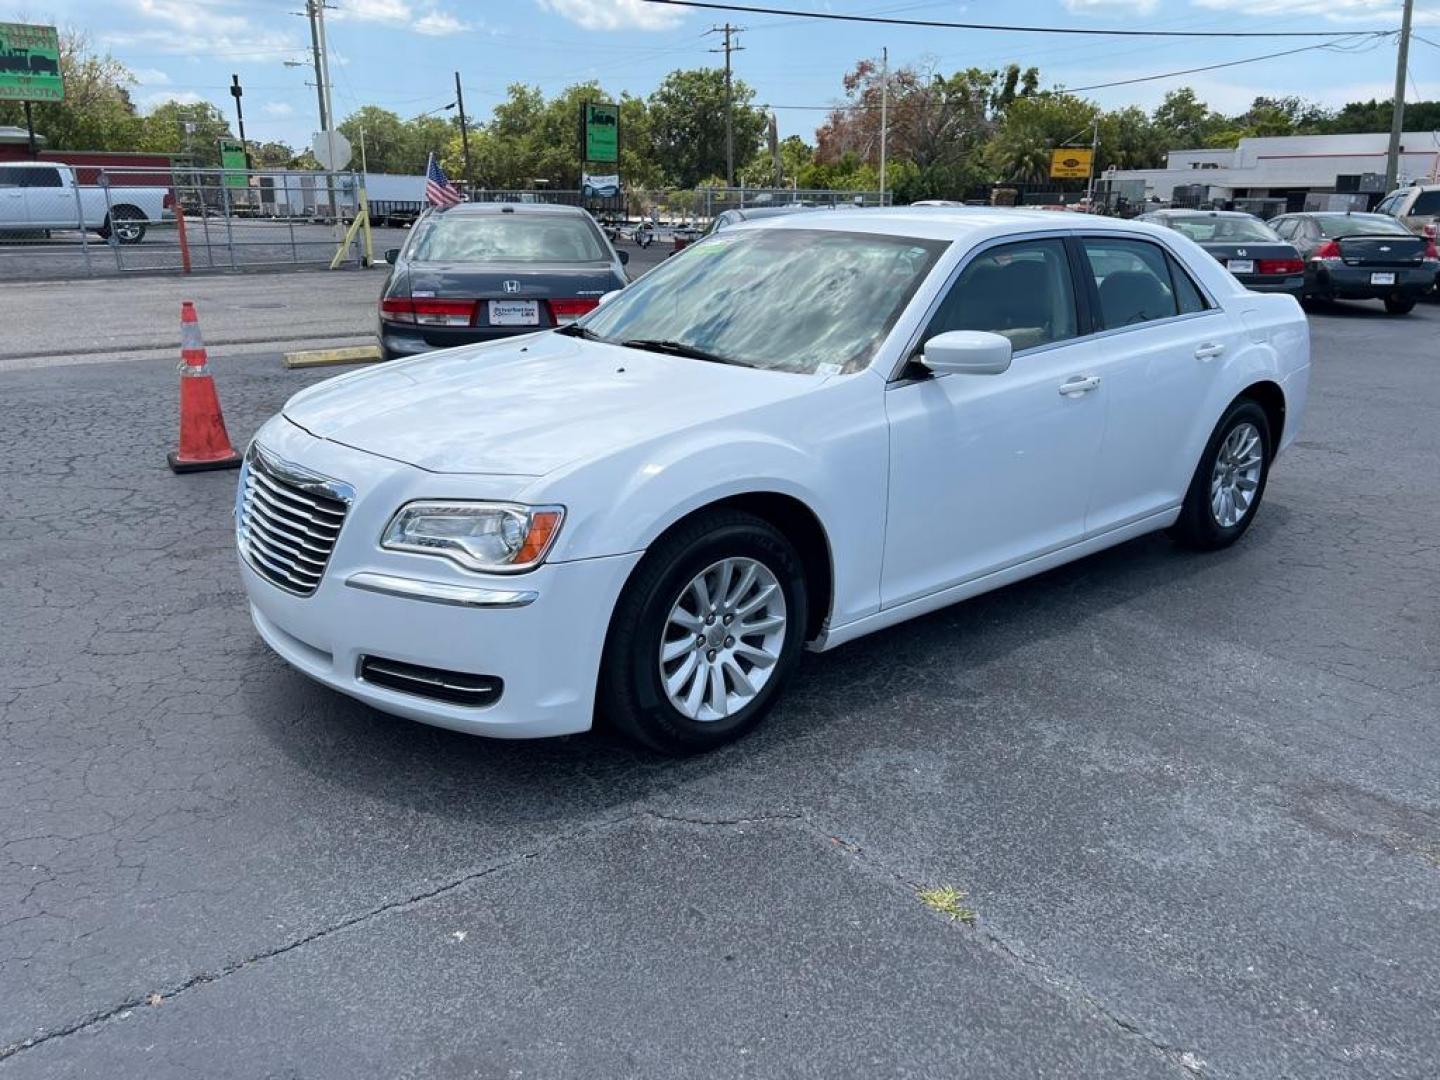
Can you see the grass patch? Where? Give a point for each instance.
(948, 901)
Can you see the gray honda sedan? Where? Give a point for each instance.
(480, 271)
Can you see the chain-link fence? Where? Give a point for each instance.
(61, 222)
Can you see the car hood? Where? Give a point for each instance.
(529, 405)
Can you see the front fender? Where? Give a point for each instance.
(829, 453)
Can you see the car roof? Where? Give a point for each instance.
(954, 223)
(1178, 211)
(748, 213)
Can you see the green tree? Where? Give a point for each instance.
(687, 124)
(186, 129)
(388, 140)
(272, 155)
(1183, 121)
(96, 114)
(1034, 126)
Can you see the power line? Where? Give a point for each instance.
(748, 9)
(1330, 46)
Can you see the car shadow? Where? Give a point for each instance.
(501, 783)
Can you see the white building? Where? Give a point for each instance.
(1289, 166)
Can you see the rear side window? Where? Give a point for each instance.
(1428, 204)
(8, 177)
(1188, 296)
(1021, 291)
(39, 178)
(1133, 280)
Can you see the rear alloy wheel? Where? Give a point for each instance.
(705, 634)
(1399, 305)
(127, 225)
(1229, 481)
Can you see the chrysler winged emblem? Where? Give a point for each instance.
(511, 286)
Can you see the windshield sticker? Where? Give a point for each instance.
(828, 369)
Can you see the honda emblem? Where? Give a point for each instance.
(511, 286)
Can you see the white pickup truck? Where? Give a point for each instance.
(40, 196)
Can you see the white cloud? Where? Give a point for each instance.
(1373, 14)
(1111, 7)
(200, 28)
(373, 11)
(438, 23)
(277, 108)
(150, 76)
(150, 102)
(615, 14)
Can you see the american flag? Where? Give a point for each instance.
(438, 189)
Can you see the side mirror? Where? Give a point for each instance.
(624, 256)
(967, 352)
(607, 297)
(391, 254)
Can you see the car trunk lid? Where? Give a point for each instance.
(1382, 250)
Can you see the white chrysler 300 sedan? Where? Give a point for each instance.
(794, 432)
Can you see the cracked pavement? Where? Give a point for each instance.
(1191, 799)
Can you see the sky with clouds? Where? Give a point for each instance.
(401, 54)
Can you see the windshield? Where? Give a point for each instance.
(1203, 228)
(1360, 225)
(800, 300)
(500, 237)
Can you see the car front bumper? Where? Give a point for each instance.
(541, 633)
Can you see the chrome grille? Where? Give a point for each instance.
(287, 520)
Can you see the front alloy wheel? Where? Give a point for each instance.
(722, 639)
(705, 633)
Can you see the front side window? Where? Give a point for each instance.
(501, 237)
(798, 300)
(1133, 281)
(1020, 291)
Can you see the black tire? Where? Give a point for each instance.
(1197, 526)
(1399, 305)
(631, 696)
(127, 223)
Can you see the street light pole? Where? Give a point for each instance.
(1397, 116)
(237, 93)
(884, 113)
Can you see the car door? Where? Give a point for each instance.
(12, 199)
(48, 205)
(1161, 342)
(989, 470)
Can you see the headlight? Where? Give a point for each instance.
(496, 538)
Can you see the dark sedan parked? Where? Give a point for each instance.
(1243, 244)
(481, 271)
(1362, 257)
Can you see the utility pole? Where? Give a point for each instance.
(1090, 183)
(884, 113)
(237, 93)
(727, 49)
(312, 12)
(776, 167)
(1397, 117)
(464, 130)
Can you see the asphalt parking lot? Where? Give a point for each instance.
(1190, 800)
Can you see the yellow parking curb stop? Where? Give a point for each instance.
(354, 354)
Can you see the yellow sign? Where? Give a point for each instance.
(1068, 163)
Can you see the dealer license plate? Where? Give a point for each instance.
(1241, 266)
(1382, 279)
(514, 313)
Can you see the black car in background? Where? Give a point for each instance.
(480, 271)
(1362, 257)
(1243, 244)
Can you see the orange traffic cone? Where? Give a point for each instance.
(203, 441)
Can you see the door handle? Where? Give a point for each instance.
(1080, 384)
(1208, 350)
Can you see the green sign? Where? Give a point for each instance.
(600, 132)
(30, 63)
(232, 156)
